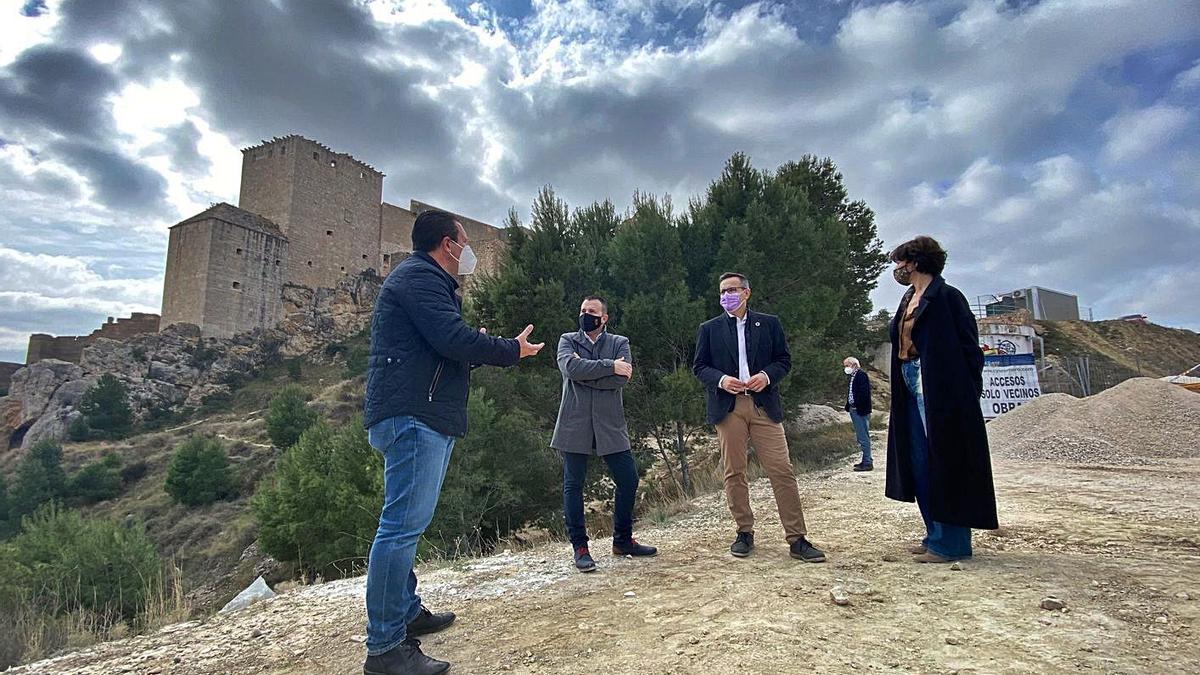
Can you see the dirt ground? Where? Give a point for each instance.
(1120, 545)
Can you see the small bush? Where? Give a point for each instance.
(78, 430)
(321, 507)
(216, 402)
(97, 565)
(289, 416)
(40, 478)
(356, 360)
(132, 473)
(295, 370)
(106, 407)
(202, 356)
(8, 522)
(199, 472)
(96, 481)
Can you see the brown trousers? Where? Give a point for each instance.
(748, 423)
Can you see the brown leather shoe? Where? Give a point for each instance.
(928, 557)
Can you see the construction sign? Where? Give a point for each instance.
(1008, 381)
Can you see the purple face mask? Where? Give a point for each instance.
(731, 301)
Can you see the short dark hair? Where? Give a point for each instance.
(739, 275)
(602, 301)
(928, 255)
(431, 227)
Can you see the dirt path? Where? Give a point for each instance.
(1121, 545)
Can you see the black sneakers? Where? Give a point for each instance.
(428, 622)
(633, 548)
(583, 560)
(404, 659)
(742, 546)
(863, 467)
(801, 549)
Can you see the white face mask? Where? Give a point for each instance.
(467, 261)
(848, 370)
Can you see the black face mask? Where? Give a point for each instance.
(588, 322)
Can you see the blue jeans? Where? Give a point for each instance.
(623, 470)
(862, 433)
(947, 541)
(415, 458)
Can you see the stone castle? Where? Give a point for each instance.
(306, 216)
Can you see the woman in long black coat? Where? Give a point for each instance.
(937, 444)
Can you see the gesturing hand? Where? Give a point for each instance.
(623, 368)
(757, 383)
(732, 385)
(527, 348)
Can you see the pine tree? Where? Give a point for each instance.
(199, 472)
(105, 406)
(289, 416)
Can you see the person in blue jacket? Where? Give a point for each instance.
(418, 377)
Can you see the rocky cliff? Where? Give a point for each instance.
(176, 368)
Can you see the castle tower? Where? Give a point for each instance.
(326, 203)
(225, 272)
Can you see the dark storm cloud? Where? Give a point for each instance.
(57, 89)
(180, 143)
(118, 181)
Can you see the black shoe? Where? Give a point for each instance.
(742, 546)
(583, 560)
(427, 622)
(863, 467)
(404, 659)
(802, 550)
(633, 548)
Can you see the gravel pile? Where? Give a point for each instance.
(1136, 422)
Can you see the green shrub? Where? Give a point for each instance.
(502, 475)
(216, 402)
(321, 506)
(97, 481)
(289, 416)
(295, 370)
(199, 472)
(8, 522)
(356, 360)
(78, 429)
(40, 478)
(132, 473)
(202, 356)
(106, 407)
(76, 563)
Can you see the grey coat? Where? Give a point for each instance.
(591, 417)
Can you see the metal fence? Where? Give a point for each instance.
(1086, 374)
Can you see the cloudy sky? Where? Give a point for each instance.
(1053, 143)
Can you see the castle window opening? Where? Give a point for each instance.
(277, 262)
(343, 269)
(333, 163)
(364, 256)
(310, 263)
(387, 257)
(236, 285)
(346, 215)
(316, 157)
(329, 232)
(283, 151)
(362, 174)
(239, 251)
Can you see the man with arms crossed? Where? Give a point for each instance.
(595, 366)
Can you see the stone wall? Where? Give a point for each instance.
(245, 275)
(186, 279)
(327, 204)
(62, 348)
(237, 288)
(126, 327)
(6, 370)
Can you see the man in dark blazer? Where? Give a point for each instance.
(741, 357)
(858, 404)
